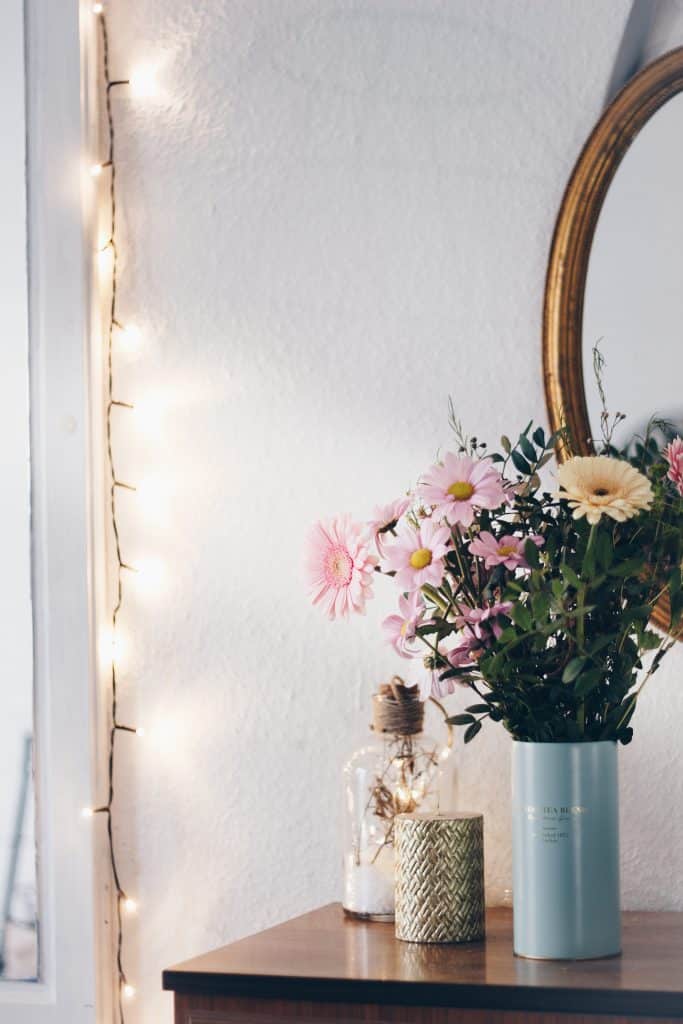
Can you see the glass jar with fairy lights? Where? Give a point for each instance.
(399, 771)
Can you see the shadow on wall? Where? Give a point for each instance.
(652, 28)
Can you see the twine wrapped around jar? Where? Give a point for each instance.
(440, 877)
(397, 709)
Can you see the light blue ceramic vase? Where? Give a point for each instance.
(565, 805)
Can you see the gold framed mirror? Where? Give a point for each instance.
(566, 339)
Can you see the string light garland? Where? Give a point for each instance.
(129, 335)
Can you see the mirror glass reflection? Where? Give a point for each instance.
(18, 889)
(633, 304)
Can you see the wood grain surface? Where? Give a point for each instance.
(325, 958)
(193, 1009)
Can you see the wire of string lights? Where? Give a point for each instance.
(114, 406)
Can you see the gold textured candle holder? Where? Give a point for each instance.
(440, 877)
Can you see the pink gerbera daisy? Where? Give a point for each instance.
(385, 519)
(459, 485)
(400, 630)
(483, 622)
(507, 550)
(417, 557)
(673, 453)
(340, 567)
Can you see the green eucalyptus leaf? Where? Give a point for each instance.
(471, 731)
(587, 682)
(540, 605)
(636, 612)
(520, 463)
(630, 567)
(601, 643)
(649, 641)
(572, 669)
(460, 720)
(521, 616)
(527, 448)
(570, 577)
(531, 554)
(427, 629)
(455, 673)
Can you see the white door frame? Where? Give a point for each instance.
(64, 665)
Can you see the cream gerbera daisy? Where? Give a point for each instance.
(596, 485)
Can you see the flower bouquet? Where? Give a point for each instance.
(538, 600)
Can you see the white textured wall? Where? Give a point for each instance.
(336, 213)
(666, 28)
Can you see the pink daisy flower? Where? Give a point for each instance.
(441, 688)
(482, 622)
(460, 656)
(507, 550)
(425, 684)
(340, 567)
(431, 686)
(417, 557)
(400, 630)
(385, 518)
(459, 485)
(673, 453)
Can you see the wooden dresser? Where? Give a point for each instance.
(325, 967)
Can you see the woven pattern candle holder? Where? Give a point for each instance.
(439, 877)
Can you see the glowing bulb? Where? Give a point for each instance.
(403, 796)
(112, 648)
(140, 732)
(130, 905)
(129, 337)
(98, 8)
(87, 812)
(143, 81)
(96, 170)
(128, 990)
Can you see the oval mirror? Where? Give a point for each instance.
(614, 291)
